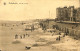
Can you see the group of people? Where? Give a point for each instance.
(21, 36)
(60, 35)
(63, 35)
(58, 38)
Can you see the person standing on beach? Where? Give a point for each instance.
(59, 38)
(16, 36)
(24, 36)
(21, 36)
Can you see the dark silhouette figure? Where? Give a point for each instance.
(24, 36)
(27, 47)
(16, 36)
(21, 36)
(59, 38)
(27, 35)
(32, 28)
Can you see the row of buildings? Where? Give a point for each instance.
(68, 14)
(70, 25)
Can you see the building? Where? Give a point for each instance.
(68, 14)
(78, 15)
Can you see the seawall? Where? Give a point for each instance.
(72, 29)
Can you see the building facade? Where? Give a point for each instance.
(68, 14)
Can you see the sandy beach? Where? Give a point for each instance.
(37, 40)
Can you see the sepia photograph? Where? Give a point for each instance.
(39, 25)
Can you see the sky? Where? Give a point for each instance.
(35, 9)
